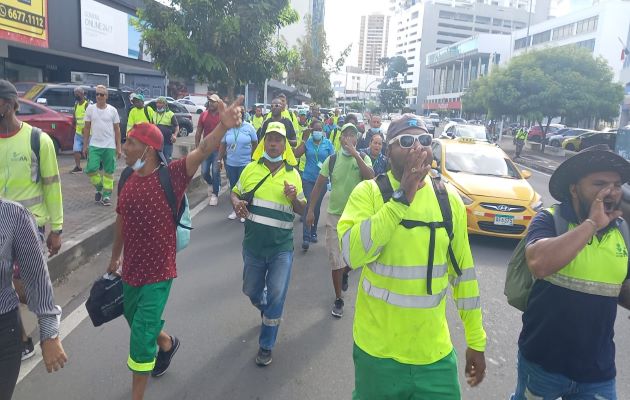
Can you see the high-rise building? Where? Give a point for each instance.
(373, 42)
(406, 34)
(312, 8)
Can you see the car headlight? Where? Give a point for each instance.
(467, 200)
(537, 205)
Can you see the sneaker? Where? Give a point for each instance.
(337, 310)
(344, 282)
(214, 200)
(29, 350)
(77, 170)
(314, 238)
(242, 220)
(232, 215)
(98, 196)
(163, 359)
(263, 358)
(106, 201)
(305, 245)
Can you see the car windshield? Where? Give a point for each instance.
(471, 131)
(471, 160)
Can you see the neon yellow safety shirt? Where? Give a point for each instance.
(138, 116)
(269, 225)
(257, 122)
(395, 317)
(300, 140)
(335, 138)
(79, 116)
(18, 176)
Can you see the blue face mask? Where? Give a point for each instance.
(160, 109)
(318, 135)
(376, 130)
(140, 162)
(272, 159)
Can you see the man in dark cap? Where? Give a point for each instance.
(409, 234)
(566, 346)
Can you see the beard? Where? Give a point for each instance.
(585, 206)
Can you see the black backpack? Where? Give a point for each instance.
(165, 181)
(36, 133)
(385, 187)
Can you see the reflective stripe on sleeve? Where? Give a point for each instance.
(49, 180)
(412, 272)
(33, 201)
(468, 274)
(345, 247)
(468, 303)
(583, 286)
(402, 300)
(259, 219)
(366, 235)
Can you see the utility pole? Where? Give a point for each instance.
(529, 21)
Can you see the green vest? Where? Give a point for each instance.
(79, 116)
(165, 118)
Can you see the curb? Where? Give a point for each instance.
(533, 165)
(76, 252)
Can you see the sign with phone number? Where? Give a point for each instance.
(24, 21)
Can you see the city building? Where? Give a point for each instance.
(373, 42)
(81, 41)
(314, 9)
(406, 34)
(355, 85)
(454, 67)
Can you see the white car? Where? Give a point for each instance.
(191, 107)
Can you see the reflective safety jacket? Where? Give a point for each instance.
(139, 115)
(269, 225)
(521, 134)
(335, 138)
(257, 122)
(79, 116)
(300, 140)
(395, 317)
(19, 172)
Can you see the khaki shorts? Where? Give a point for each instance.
(332, 242)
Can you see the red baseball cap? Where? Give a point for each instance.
(148, 134)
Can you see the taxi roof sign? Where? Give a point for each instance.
(466, 140)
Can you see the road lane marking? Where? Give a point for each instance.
(531, 169)
(72, 321)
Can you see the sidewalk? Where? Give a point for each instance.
(546, 162)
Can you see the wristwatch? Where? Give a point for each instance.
(57, 232)
(399, 196)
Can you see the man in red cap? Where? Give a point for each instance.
(145, 228)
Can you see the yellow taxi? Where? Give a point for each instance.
(499, 200)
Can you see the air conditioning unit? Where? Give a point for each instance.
(89, 78)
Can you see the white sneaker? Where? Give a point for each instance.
(232, 215)
(214, 200)
(242, 220)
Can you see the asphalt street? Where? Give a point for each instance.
(218, 329)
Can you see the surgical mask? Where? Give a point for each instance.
(376, 130)
(318, 135)
(345, 152)
(160, 109)
(140, 162)
(77, 98)
(272, 159)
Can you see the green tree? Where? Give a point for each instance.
(217, 41)
(311, 63)
(392, 95)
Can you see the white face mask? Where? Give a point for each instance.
(140, 162)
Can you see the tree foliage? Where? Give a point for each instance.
(228, 41)
(562, 82)
(311, 63)
(392, 95)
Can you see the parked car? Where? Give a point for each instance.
(588, 139)
(475, 132)
(184, 118)
(559, 136)
(459, 120)
(535, 134)
(198, 100)
(59, 126)
(60, 97)
(191, 107)
(434, 118)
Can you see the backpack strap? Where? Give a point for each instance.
(124, 176)
(560, 223)
(625, 232)
(165, 180)
(36, 134)
(146, 114)
(384, 186)
(331, 165)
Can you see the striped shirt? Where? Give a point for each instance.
(20, 244)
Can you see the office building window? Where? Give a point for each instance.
(414, 15)
(586, 25)
(447, 14)
(563, 32)
(497, 22)
(460, 27)
(464, 17)
(482, 20)
(482, 30)
(587, 44)
(519, 25)
(521, 43)
(541, 37)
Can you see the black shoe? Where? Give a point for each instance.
(106, 201)
(164, 358)
(77, 170)
(28, 350)
(314, 238)
(263, 358)
(98, 197)
(337, 310)
(305, 245)
(344, 282)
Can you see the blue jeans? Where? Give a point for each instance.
(168, 152)
(309, 231)
(534, 383)
(233, 174)
(265, 282)
(212, 177)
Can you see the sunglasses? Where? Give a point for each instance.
(406, 141)
(101, 94)
(276, 105)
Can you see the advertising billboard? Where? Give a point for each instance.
(106, 29)
(24, 21)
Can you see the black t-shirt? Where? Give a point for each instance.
(287, 125)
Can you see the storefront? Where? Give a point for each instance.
(81, 41)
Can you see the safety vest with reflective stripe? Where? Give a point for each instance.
(583, 273)
(165, 118)
(79, 116)
(269, 225)
(257, 122)
(395, 317)
(18, 176)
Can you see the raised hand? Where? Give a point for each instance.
(602, 209)
(417, 167)
(231, 115)
(290, 191)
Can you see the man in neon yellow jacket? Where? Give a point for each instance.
(402, 344)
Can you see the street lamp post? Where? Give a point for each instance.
(461, 87)
(366, 90)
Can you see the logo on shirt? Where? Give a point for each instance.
(18, 157)
(621, 251)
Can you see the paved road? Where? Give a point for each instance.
(218, 328)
